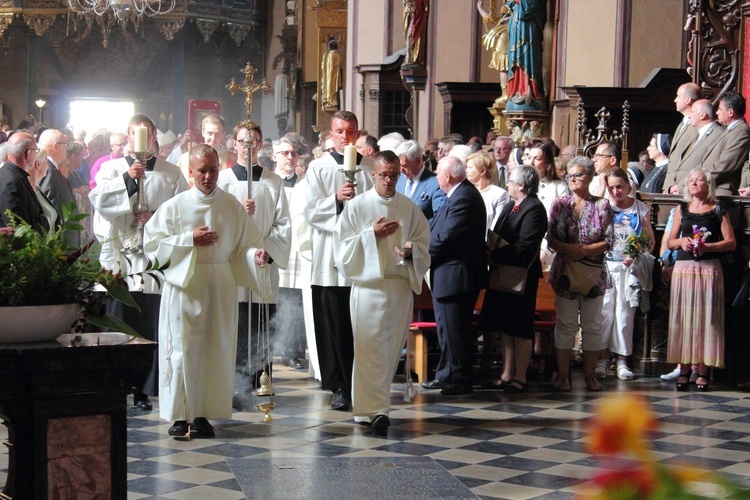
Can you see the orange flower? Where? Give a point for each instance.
(622, 425)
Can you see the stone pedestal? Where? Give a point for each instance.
(65, 412)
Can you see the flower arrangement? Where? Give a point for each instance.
(41, 268)
(619, 437)
(700, 234)
(636, 244)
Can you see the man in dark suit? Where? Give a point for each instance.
(16, 191)
(457, 273)
(417, 182)
(55, 184)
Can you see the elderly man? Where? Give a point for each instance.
(55, 184)
(502, 149)
(326, 192)
(213, 130)
(212, 245)
(685, 135)
(389, 142)
(117, 143)
(16, 191)
(710, 132)
(367, 146)
(381, 246)
(117, 228)
(269, 210)
(727, 156)
(417, 182)
(457, 273)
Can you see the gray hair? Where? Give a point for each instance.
(461, 151)
(410, 149)
(286, 140)
(711, 195)
(454, 166)
(586, 163)
(389, 142)
(526, 177)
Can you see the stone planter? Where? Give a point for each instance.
(36, 323)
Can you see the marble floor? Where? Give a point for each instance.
(500, 446)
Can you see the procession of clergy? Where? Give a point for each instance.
(356, 234)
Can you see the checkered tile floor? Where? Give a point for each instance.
(500, 446)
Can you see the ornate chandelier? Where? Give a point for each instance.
(123, 9)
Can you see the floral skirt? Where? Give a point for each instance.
(696, 313)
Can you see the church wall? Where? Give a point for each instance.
(654, 37)
(589, 55)
(276, 16)
(13, 75)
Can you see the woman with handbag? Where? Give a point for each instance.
(580, 231)
(509, 303)
(696, 303)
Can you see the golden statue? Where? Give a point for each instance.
(496, 40)
(330, 76)
(415, 22)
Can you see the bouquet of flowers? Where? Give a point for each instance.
(700, 234)
(41, 268)
(619, 436)
(636, 244)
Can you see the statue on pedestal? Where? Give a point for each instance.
(496, 40)
(525, 32)
(330, 76)
(415, 25)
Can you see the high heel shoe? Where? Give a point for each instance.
(703, 387)
(682, 381)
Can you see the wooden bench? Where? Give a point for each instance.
(420, 330)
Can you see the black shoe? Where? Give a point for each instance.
(511, 388)
(141, 401)
(432, 384)
(341, 401)
(456, 389)
(179, 429)
(380, 423)
(202, 428)
(490, 385)
(295, 363)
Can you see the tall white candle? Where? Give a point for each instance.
(350, 157)
(140, 138)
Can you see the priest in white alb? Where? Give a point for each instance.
(382, 246)
(211, 244)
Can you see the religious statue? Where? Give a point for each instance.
(496, 40)
(525, 32)
(415, 24)
(330, 76)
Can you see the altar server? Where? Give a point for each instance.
(211, 243)
(382, 246)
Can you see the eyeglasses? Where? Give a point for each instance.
(599, 156)
(393, 177)
(579, 175)
(288, 152)
(120, 145)
(62, 144)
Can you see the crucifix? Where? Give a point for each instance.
(249, 87)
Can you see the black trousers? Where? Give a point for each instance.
(333, 336)
(146, 323)
(248, 373)
(453, 317)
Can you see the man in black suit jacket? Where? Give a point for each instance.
(16, 192)
(457, 273)
(55, 184)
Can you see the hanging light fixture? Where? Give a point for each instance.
(123, 9)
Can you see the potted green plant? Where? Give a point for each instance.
(44, 280)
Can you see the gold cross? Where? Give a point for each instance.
(248, 88)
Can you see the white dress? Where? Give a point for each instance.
(381, 298)
(198, 315)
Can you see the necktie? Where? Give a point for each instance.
(409, 187)
(501, 177)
